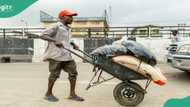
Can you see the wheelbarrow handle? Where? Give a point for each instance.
(84, 53)
(73, 44)
(80, 55)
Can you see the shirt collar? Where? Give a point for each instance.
(62, 25)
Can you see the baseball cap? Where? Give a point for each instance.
(63, 13)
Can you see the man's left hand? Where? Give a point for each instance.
(75, 47)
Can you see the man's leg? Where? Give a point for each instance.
(73, 95)
(72, 87)
(50, 87)
(55, 70)
(70, 67)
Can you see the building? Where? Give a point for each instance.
(148, 30)
(81, 26)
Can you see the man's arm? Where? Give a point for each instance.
(50, 39)
(48, 35)
(47, 38)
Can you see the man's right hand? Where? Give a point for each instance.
(59, 44)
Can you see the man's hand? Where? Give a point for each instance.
(75, 47)
(59, 44)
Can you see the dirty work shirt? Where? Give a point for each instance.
(61, 33)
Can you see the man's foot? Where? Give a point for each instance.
(51, 98)
(76, 98)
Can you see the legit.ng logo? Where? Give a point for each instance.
(9, 8)
(184, 102)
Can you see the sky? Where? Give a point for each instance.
(120, 12)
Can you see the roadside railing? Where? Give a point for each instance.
(138, 31)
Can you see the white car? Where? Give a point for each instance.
(171, 51)
(181, 58)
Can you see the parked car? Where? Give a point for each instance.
(181, 58)
(173, 48)
(171, 51)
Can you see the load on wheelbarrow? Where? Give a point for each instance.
(126, 61)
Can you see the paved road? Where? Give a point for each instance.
(24, 84)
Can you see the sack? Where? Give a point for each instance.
(141, 67)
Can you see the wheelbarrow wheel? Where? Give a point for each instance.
(128, 94)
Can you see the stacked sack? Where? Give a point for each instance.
(135, 56)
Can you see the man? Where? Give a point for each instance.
(59, 59)
(175, 36)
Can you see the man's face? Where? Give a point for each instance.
(67, 19)
(174, 33)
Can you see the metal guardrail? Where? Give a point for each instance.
(138, 31)
(20, 32)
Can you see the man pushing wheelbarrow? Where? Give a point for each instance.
(59, 36)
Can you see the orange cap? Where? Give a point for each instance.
(66, 13)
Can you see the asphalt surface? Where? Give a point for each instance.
(24, 85)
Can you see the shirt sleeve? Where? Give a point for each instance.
(50, 31)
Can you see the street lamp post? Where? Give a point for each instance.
(26, 26)
(25, 30)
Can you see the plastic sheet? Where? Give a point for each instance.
(110, 50)
(140, 52)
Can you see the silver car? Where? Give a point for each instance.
(171, 51)
(181, 58)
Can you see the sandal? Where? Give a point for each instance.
(51, 98)
(76, 98)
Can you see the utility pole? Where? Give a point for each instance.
(110, 14)
(25, 30)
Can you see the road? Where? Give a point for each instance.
(24, 85)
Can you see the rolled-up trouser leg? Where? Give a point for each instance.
(71, 68)
(54, 69)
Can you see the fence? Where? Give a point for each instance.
(138, 31)
(15, 49)
(92, 38)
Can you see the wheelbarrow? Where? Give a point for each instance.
(126, 93)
